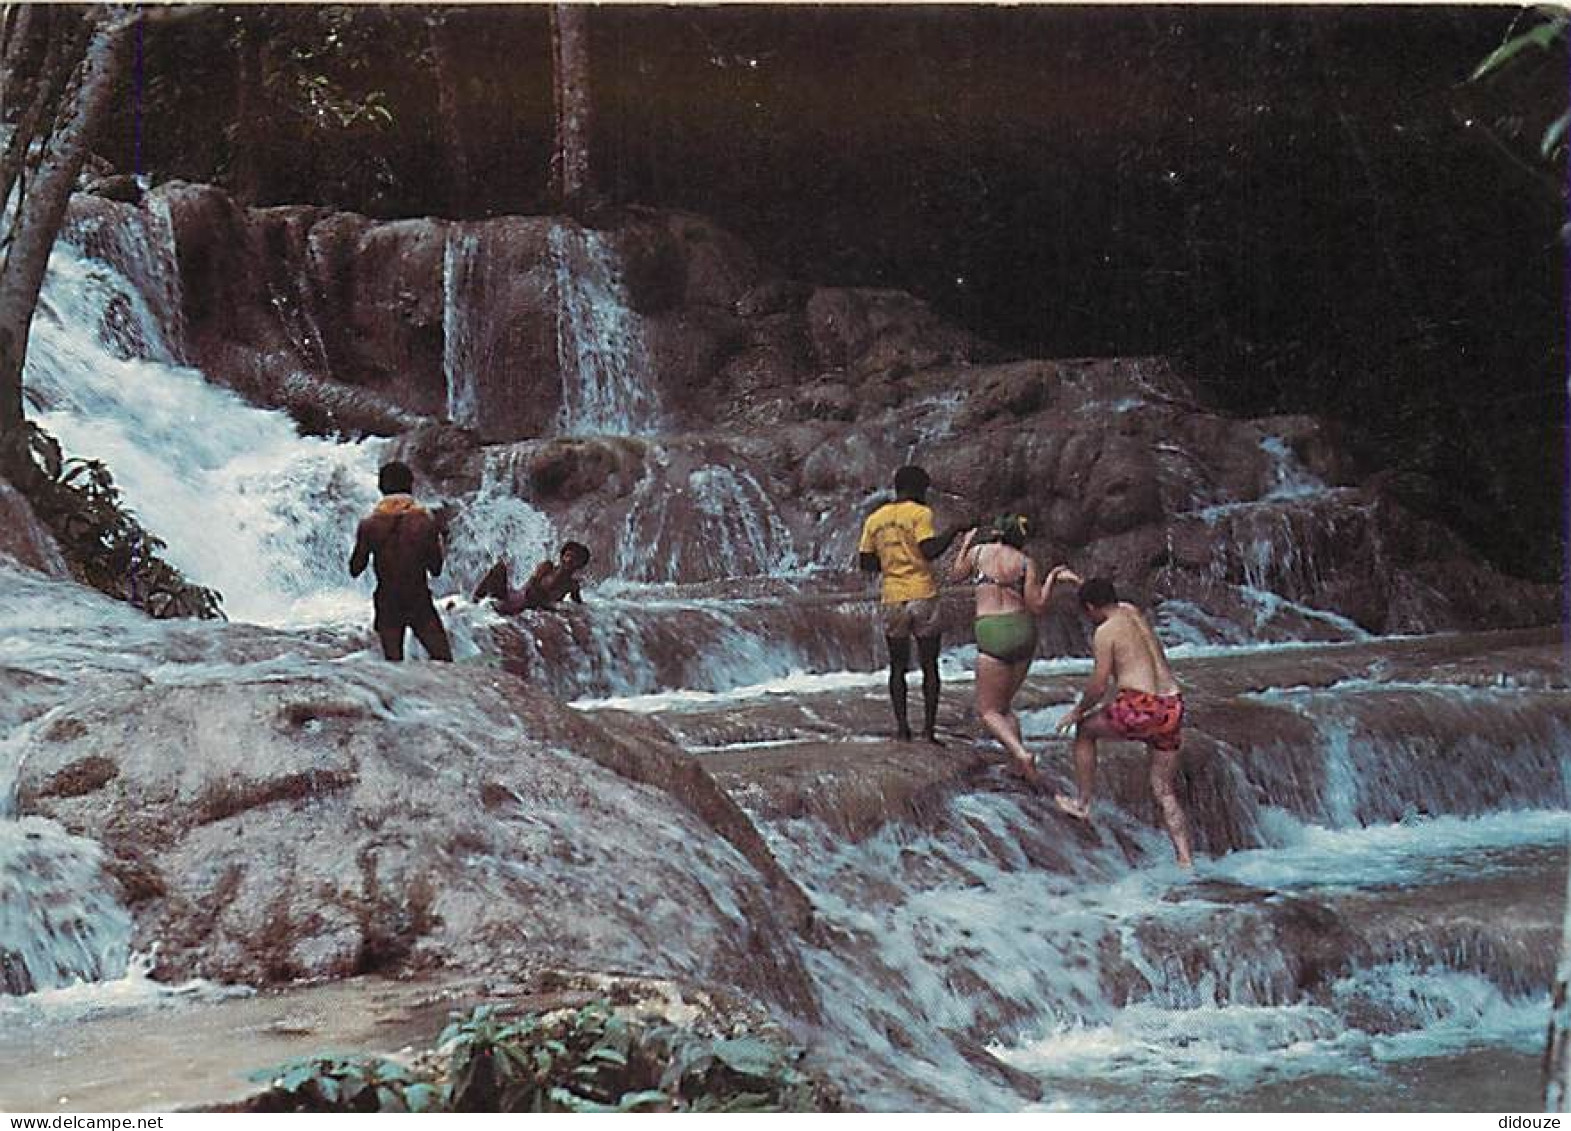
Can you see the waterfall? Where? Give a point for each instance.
(1290, 479)
(60, 920)
(246, 505)
(1374, 902)
(461, 342)
(605, 365)
(1349, 953)
(714, 522)
(495, 525)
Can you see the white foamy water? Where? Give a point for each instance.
(462, 343)
(496, 525)
(60, 918)
(954, 666)
(1126, 984)
(246, 504)
(714, 522)
(1077, 955)
(133, 992)
(604, 363)
(1290, 479)
(1153, 1058)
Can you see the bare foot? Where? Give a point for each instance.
(1076, 809)
(1028, 771)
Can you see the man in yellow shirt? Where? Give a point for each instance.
(898, 541)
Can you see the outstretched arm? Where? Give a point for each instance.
(933, 548)
(1054, 576)
(961, 567)
(1096, 686)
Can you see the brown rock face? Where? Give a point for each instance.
(319, 826)
(776, 413)
(24, 539)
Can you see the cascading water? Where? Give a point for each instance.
(714, 522)
(1383, 939)
(246, 505)
(986, 937)
(461, 343)
(601, 355)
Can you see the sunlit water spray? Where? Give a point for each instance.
(245, 504)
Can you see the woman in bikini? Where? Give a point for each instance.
(1008, 599)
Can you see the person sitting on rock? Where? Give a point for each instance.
(404, 540)
(898, 541)
(1148, 707)
(550, 583)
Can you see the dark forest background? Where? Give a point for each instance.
(1312, 207)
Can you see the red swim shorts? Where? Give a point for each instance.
(1155, 720)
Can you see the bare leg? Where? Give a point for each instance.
(494, 583)
(1086, 735)
(899, 657)
(1018, 673)
(1164, 768)
(927, 649)
(392, 642)
(996, 682)
(433, 636)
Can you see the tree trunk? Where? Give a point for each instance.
(570, 178)
(247, 137)
(443, 63)
(22, 24)
(48, 84)
(43, 208)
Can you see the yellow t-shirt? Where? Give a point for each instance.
(893, 532)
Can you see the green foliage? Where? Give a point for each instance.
(577, 1062)
(327, 1083)
(584, 1060)
(100, 537)
(317, 67)
(1548, 35)
(1543, 36)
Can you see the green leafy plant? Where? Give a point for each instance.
(582, 1060)
(1546, 36)
(740, 1074)
(576, 1062)
(591, 1060)
(327, 1083)
(98, 534)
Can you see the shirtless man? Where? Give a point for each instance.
(550, 583)
(1147, 707)
(899, 542)
(405, 541)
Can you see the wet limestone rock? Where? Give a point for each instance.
(24, 539)
(338, 819)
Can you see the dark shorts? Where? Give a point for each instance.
(397, 612)
(417, 614)
(918, 618)
(1156, 720)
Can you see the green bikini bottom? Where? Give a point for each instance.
(1008, 637)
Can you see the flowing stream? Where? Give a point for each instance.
(986, 956)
